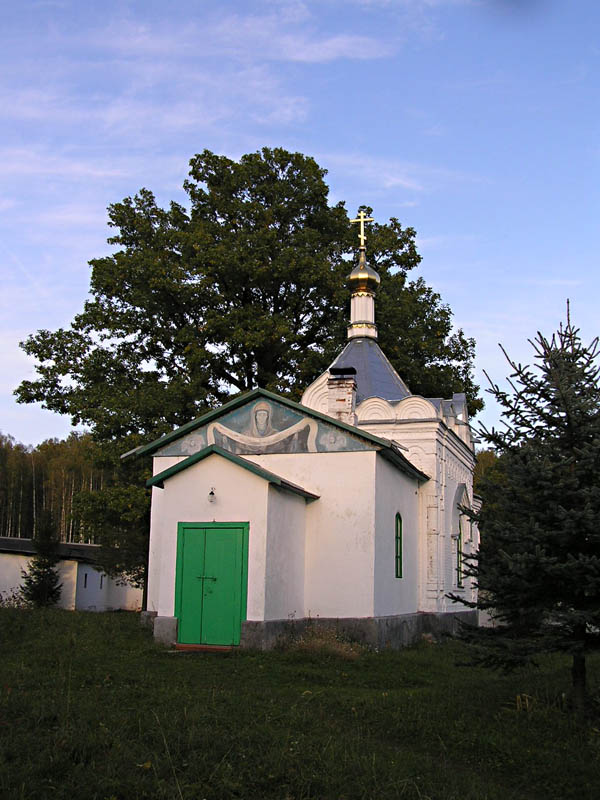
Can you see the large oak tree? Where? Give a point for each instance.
(244, 287)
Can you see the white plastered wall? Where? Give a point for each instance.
(316, 396)
(458, 474)
(91, 589)
(11, 565)
(396, 493)
(11, 579)
(433, 448)
(284, 566)
(123, 595)
(67, 571)
(96, 591)
(240, 496)
(340, 528)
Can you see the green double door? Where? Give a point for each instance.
(211, 582)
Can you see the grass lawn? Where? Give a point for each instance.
(91, 708)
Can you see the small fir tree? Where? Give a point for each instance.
(41, 586)
(538, 566)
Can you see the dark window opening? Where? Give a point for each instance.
(459, 547)
(398, 546)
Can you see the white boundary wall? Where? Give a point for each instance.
(74, 595)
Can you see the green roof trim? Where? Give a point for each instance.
(159, 479)
(394, 455)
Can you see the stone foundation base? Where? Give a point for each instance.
(165, 629)
(147, 619)
(377, 632)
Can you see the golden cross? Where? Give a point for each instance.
(362, 218)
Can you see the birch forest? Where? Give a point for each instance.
(46, 477)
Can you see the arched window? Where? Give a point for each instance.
(459, 556)
(457, 535)
(398, 546)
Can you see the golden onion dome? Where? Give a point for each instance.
(363, 278)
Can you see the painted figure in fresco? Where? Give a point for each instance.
(193, 444)
(261, 420)
(261, 437)
(265, 429)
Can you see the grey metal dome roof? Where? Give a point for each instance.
(375, 376)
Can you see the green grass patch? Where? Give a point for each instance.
(91, 708)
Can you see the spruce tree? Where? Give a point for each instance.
(538, 566)
(41, 586)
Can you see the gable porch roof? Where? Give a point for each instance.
(213, 449)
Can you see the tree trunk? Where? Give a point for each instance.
(19, 531)
(578, 673)
(34, 496)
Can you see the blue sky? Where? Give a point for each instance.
(474, 121)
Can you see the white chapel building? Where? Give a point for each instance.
(343, 509)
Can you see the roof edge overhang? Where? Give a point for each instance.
(67, 551)
(159, 479)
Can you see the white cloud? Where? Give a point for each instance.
(72, 215)
(380, 172)
(174, 78)
(292, 11)
(445, 242)
(30, 104)
(34, 161)
(287, 34)
(182, 97)
(16, 365)
(388, 173)
(341, 46)
(415, 17)
(126, 112)
(50, 4)
(29, 288)
(415, 4)
(553, 282)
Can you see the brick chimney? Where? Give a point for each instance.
(341, 391)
